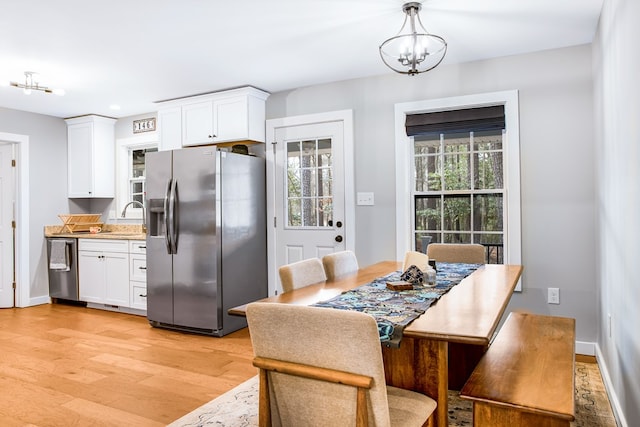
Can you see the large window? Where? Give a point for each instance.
(459, 185)
(458, 188)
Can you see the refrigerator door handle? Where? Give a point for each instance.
(167, 216)
(173, 208)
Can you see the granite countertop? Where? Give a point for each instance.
(109, 231)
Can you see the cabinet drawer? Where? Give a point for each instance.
(138, 269)
(138, 296)
(103, 245)
(137, 246)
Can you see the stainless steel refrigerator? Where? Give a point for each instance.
(206, 239)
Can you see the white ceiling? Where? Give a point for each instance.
(133, 53)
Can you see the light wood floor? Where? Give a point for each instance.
(66, 366)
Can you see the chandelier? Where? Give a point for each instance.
(30, 84)
(413, 50)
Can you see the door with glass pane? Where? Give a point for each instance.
(309, 191)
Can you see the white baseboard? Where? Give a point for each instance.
(586, 348)
(608, 385)
(39, 301)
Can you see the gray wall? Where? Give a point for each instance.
(557, 163)
(48, 183)
(617, 92)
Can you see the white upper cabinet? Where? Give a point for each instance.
(197, 123)
(90, 157)
(170, 128)
(233, 115)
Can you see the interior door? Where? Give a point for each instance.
(7, 193)
(308, 193)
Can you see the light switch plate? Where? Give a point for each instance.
(364, 199)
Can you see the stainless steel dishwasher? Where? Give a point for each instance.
(62, 257)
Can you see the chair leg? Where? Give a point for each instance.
(264, 407)
(362, 417)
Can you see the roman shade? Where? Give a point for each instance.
(454, 121)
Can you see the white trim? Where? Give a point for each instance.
(123, 145)
(512, 164)
(586, 348)
(618, 413)
(23, 280)
(344, 116)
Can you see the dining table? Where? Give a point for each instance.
(441, 347)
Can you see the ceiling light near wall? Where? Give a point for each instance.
(30, 84)
(413, 50)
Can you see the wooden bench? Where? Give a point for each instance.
(526, 377)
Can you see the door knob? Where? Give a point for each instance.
(338, 238)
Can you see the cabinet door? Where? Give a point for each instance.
(197, 123)
(230, 119)
(80, 160)
(116, 267)
(170, 128)
(91, 277)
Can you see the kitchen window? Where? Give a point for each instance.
(137, 175)
(131, 172)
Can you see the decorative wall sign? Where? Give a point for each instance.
(144, 125)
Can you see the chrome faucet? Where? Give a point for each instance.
(144, 217)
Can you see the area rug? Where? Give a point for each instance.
(239, 406)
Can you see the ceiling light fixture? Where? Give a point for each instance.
(413, 50)
(30, 85)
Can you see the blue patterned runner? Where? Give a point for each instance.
(393, 310)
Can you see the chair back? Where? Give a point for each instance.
(471, 253)
(418, 259)
(301, 273)
(320, 337)
(339, 263)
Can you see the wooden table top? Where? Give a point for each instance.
(469, 313)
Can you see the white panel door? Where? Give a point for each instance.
(7, 193)
(309, 192)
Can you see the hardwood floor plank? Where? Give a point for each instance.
(109, 416)
(73, 366)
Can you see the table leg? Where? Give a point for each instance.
(421, 365)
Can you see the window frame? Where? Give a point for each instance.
(511, 150)
(123, 171)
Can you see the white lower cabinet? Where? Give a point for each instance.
(138, 274)
(113, 274)
(103, 270)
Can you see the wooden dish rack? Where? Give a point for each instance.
(79, 222)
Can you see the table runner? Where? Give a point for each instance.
(394, 310)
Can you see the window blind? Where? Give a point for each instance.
(454, 121)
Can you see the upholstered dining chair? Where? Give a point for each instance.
(418, 259)
(339, 263)
(323, 367)
(301, 273)
(471, 253)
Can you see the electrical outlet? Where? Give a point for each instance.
(553, 295)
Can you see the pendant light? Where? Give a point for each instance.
(413, 50)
